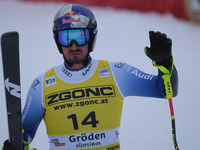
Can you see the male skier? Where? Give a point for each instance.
(81, 100)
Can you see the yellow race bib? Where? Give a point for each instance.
(93, 105)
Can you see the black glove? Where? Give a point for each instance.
(160, 49)
(8, 146)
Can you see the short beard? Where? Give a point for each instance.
(75, 60)
(71, 62)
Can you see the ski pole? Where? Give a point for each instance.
(173, 124)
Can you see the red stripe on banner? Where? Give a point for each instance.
(175, 7)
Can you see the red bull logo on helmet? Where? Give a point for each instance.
(71, 17)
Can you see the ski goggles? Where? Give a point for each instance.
(80, 36)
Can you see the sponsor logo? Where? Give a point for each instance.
(54, 141)
(71, 17)
(80, 94)
(35, 83)
(119, 65)
(82, 103)
(65, 71)
(142, 75)
(117, 133)
(49, 81)
(57, 143)
(71, 14)
(27, 107)
(114, 147)
(88, 69)
(104, 72)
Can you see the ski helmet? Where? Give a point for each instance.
(75, 16)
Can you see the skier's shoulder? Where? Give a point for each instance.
(40, 78)
(48, 72)
(113, 64)
(119, 66)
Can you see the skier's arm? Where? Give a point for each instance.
(133, 82)
(33, 111)
(160, 53)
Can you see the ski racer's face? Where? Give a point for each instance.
(75, 54)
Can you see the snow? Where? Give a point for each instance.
(122, 36)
